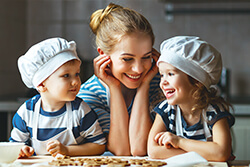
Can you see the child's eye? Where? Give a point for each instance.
(65, 75)
(170, 74)
(77, 74)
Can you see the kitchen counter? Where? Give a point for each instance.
(9, 107)
(241, 109)
(239, 100)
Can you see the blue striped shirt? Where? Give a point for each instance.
(196, 131)
(85, 125)
(95, 95)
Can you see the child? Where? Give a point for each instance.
(192, 118)
(55, 121)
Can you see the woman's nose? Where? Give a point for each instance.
(138, 67)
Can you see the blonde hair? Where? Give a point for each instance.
(111, 24)
(204, 97)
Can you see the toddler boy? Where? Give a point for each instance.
(55, 121)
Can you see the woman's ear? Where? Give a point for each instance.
(100, 51)
(41, 88)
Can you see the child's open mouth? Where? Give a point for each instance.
(170, 93)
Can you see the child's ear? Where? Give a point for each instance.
(100, 51)
(41, 87)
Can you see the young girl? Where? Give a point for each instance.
(193, 117)
(125, 84)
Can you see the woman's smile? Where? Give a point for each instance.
(135, 77)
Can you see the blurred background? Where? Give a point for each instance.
(223, 23)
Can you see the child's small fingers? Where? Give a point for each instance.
(168, 146)
(52, 151)
(51, 144)
(31, 151)
(49, 147)
(156, 137)
(54, 155)
(160, 140)
(21, 154)
(25, 151)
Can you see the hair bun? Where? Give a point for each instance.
(98, 16)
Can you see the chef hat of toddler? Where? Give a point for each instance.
(194, 57)
(44, 58)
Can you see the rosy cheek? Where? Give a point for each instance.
(161, 86)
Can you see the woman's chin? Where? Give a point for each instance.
(131, 86)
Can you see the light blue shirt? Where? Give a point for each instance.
(97, 97)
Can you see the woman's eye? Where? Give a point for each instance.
(147, 57)
(127, 59)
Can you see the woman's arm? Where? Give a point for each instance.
(155, 150)
(112, 122)
(118, 140)
(140, 120)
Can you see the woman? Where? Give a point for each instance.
(125, 84)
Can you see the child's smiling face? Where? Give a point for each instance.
(175, 84)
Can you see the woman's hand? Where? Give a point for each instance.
(103, 71)
(167, 139)
(54, 147)
(25, 152)
(154, 69)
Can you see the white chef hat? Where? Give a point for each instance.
(194, 57)
(44, 58)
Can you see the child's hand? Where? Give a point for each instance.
(25, 152)
(54, 147)
(167, 139)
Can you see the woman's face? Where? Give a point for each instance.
(131, 59)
